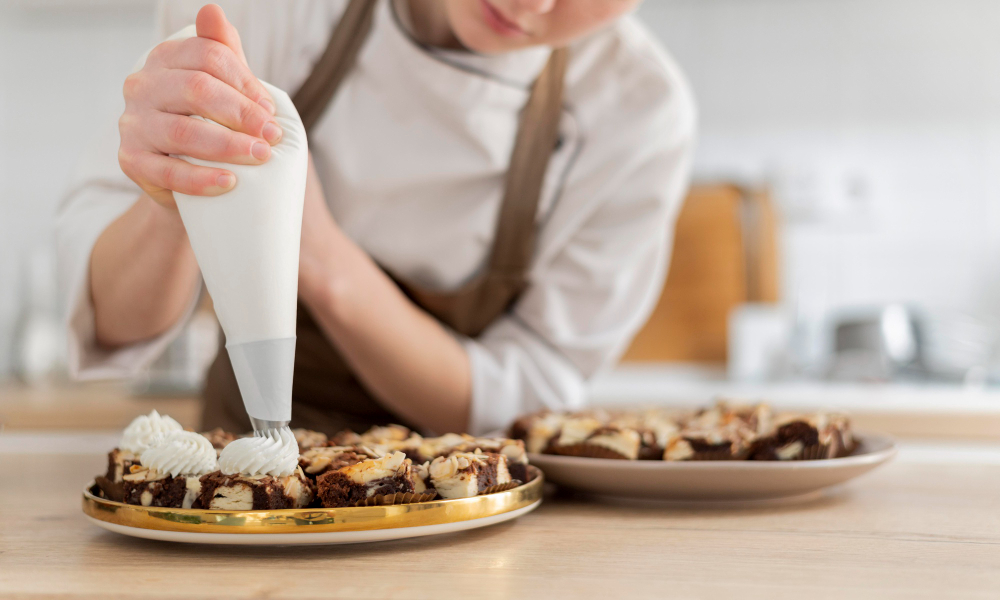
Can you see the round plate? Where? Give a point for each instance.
(713, 480)
(313, 525)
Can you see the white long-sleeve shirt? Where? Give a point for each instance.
(412, 154)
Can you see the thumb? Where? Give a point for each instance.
(212, 24)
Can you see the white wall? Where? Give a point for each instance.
(878, 119)
(61, 68)
(885, 112)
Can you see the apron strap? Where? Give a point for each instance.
(336, 62)
(470, 309)
(537, 136)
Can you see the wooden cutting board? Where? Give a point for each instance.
(724, 254)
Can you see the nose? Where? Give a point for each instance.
(538, 7)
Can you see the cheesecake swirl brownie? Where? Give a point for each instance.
(721, 432)
(596, 438)
(144, 431)
(593, 434)
(306, 439)
(387, 479)
(317, 461)
(148, 487)
(513, 452)
(220, 491)
(258, 473)
(170, 472)
(467, 474)
(656, 429)
(374, 436)
(798, 437)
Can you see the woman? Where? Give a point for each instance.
(487, 212)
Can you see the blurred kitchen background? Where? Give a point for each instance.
(841, 247)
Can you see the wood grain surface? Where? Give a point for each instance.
(914, 529)
(82, 406)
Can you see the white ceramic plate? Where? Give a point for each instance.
(713, 480)
(299, 539)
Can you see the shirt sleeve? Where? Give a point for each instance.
(588, 298)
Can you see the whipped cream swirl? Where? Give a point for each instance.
(273, 452)
(146, 431)
(181, 453)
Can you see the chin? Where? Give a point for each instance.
(469, 26)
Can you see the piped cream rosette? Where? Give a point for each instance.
(181, 453)
(274, 453)
(146, 431)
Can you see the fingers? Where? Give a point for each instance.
(212, 24)
(216, 59)
(155, 173)
(184, 92)
(205, 76)
(178, 134)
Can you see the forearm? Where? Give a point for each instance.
(142, 274)
(402, 354)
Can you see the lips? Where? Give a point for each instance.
(499, 23)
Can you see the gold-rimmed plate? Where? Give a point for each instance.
(719, 480)
(313, 525)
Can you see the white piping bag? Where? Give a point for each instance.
(246, 242)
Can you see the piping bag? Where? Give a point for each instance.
(246, 242)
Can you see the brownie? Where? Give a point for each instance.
(240, 492)
(427, 449)
(219, 437)
(589, 436)
(307, 438)
(467, 474)
(656, 429)
(316, 461)
(366, 480)
(145, 487)
(512, 450)
(722, 432)
(422, 483)
(414, 447)
(374, 436)
(805, 438)
(120, 462)
(519, 429)
(715, 444)
(538, 430)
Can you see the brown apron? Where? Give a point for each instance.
(326, 396)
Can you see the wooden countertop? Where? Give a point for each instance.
(924, 526)
(83, 406)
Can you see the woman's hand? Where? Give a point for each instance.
(206, 76)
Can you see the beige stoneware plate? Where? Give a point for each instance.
(713, 480)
